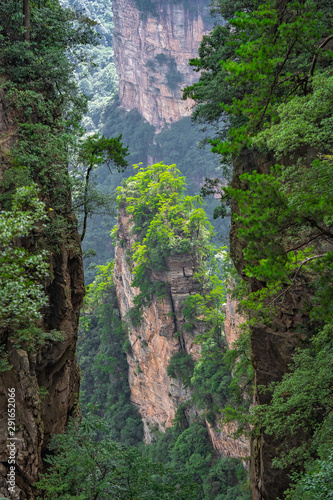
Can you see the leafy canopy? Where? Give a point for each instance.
(165, 222)
(85, 467)
(22, 273)
(266, 54)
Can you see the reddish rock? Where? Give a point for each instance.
(156, 395)
(152, 52)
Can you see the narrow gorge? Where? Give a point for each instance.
(153, 45)
(166, 262)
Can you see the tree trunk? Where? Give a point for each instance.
(26, 20)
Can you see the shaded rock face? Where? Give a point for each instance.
(272, 348)
(152, 51)
(46, 381)
(156, 395)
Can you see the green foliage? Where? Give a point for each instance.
(315, 483)
(181, 366)
(39, 88)
(267, 73)
(282, 216)
(95, 151)
(302, 121)
(211, 380)
(165, 222)
(190, 452)
(173, 77)
(102, 359)
(85, 467)
(22, 271)
(22, 294)
(301, 404)
(267, 53)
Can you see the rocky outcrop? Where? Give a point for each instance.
(233, 321)
(157, 338)
(225, 444)
(152, 48)
(45, 379)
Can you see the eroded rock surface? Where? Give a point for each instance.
(156, 395)
(46, 380)
(152, 50)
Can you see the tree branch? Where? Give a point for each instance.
(315, 57)
(85, 202)
(324, 231)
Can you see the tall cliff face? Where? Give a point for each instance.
(152, 49)
(156, 395)
(153, 342)
(272, 347)
(46, 379)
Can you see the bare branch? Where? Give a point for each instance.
(315, 57)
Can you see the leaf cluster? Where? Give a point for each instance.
(104, 383)
(165, 222)
(85, 467)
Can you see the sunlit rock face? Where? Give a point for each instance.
(155, 340)
(45, 380)
(233, 321)
(152, 49)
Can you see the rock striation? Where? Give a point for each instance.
(152, 48)
(232, 321)
(46, 380)
(155, 340)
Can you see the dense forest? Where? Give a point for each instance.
(251, 417)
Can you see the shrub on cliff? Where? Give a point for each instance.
(165, 222)
(104, 381)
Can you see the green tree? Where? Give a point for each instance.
(84, 467)
(267, 73)
(187, 448)
(94, 152)
(266, 53)
(165, 222)
(22, 272)
(104, 382)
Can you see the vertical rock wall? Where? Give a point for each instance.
(46, 381)
(152, 49)
(156, 395)
(153, 342)
(272, 347)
